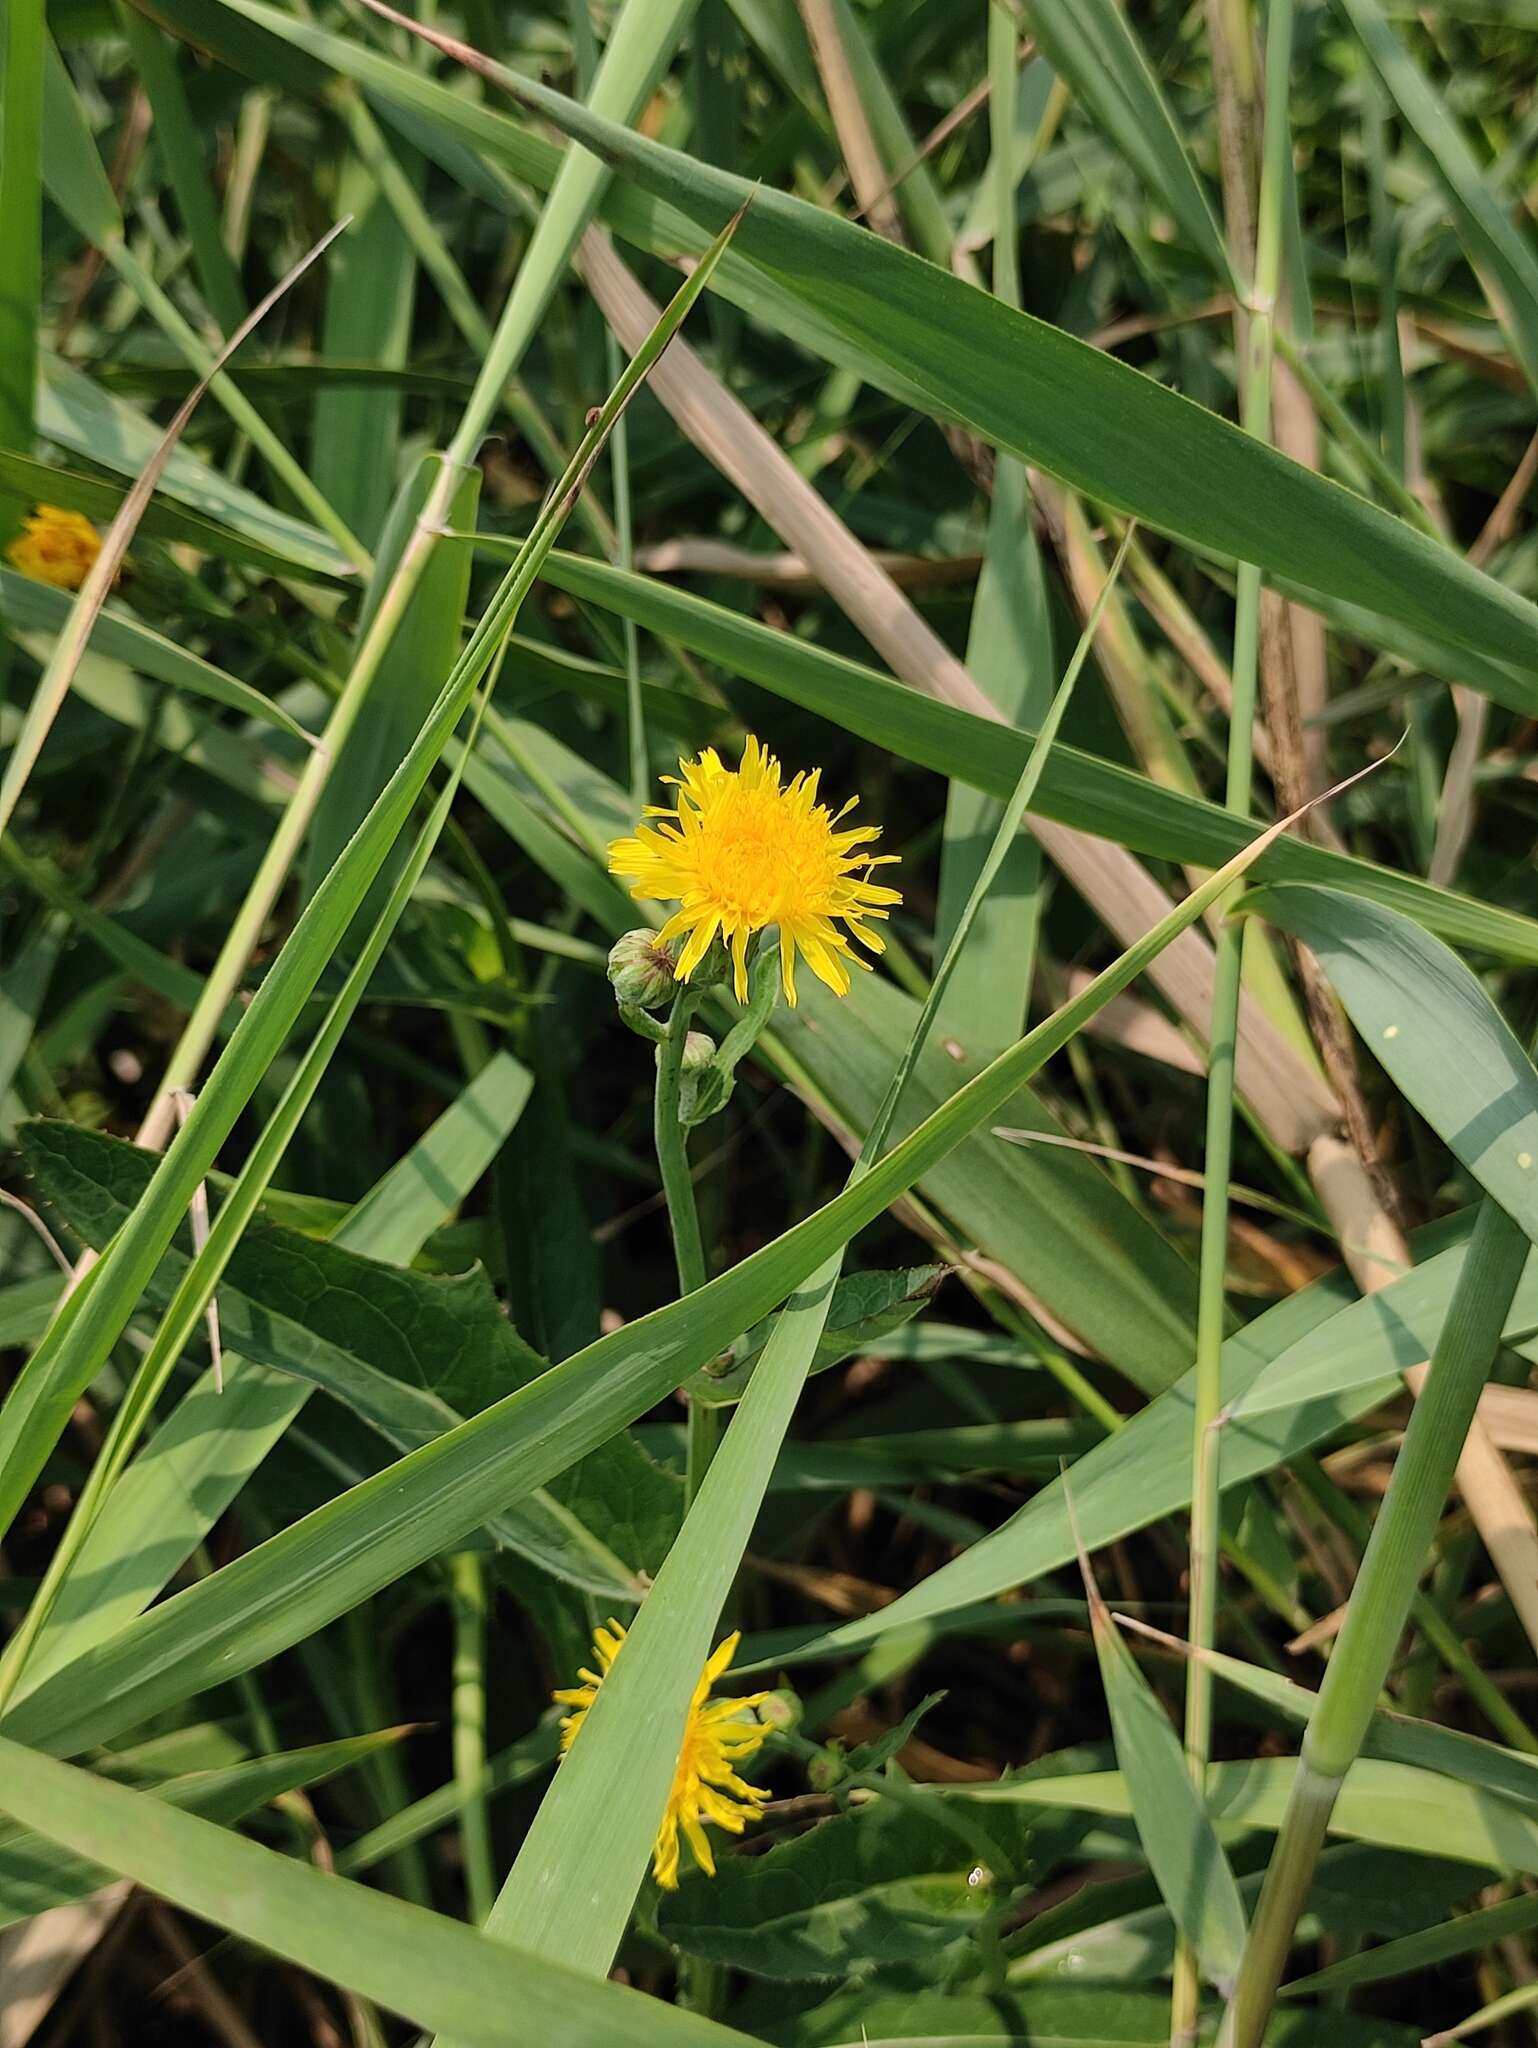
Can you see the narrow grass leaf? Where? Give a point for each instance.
(431, 1970)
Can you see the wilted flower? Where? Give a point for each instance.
(56, 546)
(716, 1737)
(739, 853)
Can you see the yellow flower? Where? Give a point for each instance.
(705, 1785)
(739, 853)
(56, 547)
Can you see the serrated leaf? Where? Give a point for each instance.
(877, 1885)
(413, 1353)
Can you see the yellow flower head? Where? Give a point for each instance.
(705, 1785)
(56, 547)
(739, 853)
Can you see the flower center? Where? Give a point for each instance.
(761, 859)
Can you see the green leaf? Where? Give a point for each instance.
(1497, 248)
(1399, 1738)
(278, 1593)
(163, 519)
(1091, 44)
(1394, 1805)
(1429, 1023)
(1174, 1827)
(30, 607)
(421, 652)
(24, 43)
(35, 1877)
(1048, 2016)
(865, 1308)
(882, 1884)
(431, 1970)
(370, 289)
(82, 417)
(412, 1353)
(1077, 788)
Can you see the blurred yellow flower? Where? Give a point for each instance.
(739, 853)
(56, 547)
(705, 1784)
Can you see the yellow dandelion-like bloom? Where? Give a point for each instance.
(716, 1738)
(56, 547)
(739, 853)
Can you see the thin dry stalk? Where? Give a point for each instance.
(867, 173)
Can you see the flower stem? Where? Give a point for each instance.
(672, 1142)
(1380, 1601)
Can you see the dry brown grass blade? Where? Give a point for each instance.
(867, 173)
(1123, 894)
(1376, 1253)
(707, 557)
(39, 1956)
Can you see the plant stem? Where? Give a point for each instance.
(672, 1142)
(1255, 340)
(467, 1580)
(1380, 1602)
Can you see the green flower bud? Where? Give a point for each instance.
(641, 971)
(699, 1081)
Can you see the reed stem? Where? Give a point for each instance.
(1380, 1603)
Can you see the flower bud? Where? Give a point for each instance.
(641, 971)
(699, 1051)
(700, 1083)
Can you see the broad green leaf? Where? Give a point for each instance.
(1046, 2016)
(1399, 1738)
(34, 1876)
(1091, 44)
(436, 1972)
(80, 416)
(1395, 1805)
(400, 696)
(211, 1443)
(1077, 788)
(370, 290)
(278, 1593)
(1428, 1022)
(412, 1353)
(163, 519)
(882, 1884)
(36, 608)
(72, 171)
(1326, 1355)
(1177, 1834)
(1119, 1930)
(938, 344)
